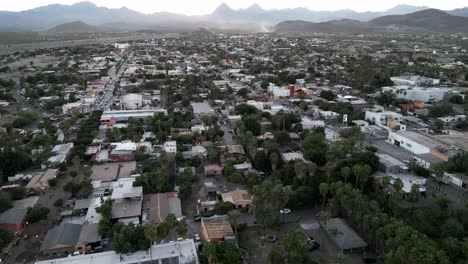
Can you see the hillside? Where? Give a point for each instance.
(426, 21)
(432, 20)
(74, 27)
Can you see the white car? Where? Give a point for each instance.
(285, 211)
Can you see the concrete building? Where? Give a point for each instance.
(425, 94)
(308, 123)
(180, 252)
(170, 147)
(414, 80)
(132, 101)
(202, 109)
(111, 117)
(14, 219)
(381, 118)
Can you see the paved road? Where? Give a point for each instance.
(228, 138)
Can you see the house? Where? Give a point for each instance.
(156, 207)
(61, 240)
(41, 181)
(112, 171)
(240, 198)
(292, 156)
(216, 228)
(170, 147)
(307, 123)
(202, 109)
(123, 151)
(89, 238)
(362, 125)
(113, 116)
(199, 151)
(14, 219)
(345, 239)
(212, 170)
(381, 118)
(127, 201)
(243, 167)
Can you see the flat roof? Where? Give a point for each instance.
(160, 205)
(179, 252)
(346, 238)
(126, 208)
(202, 108)
(423, 139)
(112, 171)
(388, 160)
(41, 180)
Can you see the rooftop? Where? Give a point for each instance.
(217, 227)
(66, 234)
(346, 238)
(160, 205)
(202, 108)
(13, 216)
(180, 252)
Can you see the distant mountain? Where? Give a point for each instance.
(256, 14)
(75, 27)
(459, 12)
(223, 17)
(426, 21)
(431, 20)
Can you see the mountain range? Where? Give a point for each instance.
(253, 18)
(425, 21)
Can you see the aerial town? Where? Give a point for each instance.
(225, 148)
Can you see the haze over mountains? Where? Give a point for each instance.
(86, 16)
(425, 21)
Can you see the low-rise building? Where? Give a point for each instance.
(240, 198)
(14, 219)
(216, 228)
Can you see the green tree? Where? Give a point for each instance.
(268, 199)
(324, 189)
(151, 233)
(181, 228)
(234, 217)
(224, 207)
(6, 236)
(37, 214)
(294, 244)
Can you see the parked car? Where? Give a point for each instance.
(285, 211)
(196, 238)
(197, 218)
(312, 244)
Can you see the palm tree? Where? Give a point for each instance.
(294, 242)
(414, 195)
(171, 221)
(301, 171)
(163, 230)
(324, 217)
(151, 233)
(311, 169)
(398, 186)
(328, 170)
(209, 250)
(181, 229)
(345, 173)
(234, 216)
(274, 159)
(324, 188)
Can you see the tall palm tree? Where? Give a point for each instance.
(151, 233)
(294, 242)
(274, 159)
(311, 169)
(324, 189)
(181, 229)
(301, 171)
(234, 216)
(345, 173)
(171, 221)
(324, 217)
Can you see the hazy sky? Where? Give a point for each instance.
(198, 7)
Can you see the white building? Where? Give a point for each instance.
(308, 123)
(415, 80)
(170, 147)
(415, 93)
(382, 117)
(132, 101)
(256, 104)
(181, 252)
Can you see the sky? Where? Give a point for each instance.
(200, 7)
